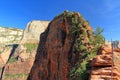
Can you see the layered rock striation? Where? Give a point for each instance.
(9, 38)
(10, 35)
(105, 66)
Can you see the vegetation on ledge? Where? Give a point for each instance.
(12, 59)
(30, 47)
(86, 43)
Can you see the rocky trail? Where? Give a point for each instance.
(106, 65)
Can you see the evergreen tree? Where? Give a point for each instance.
(99, 39)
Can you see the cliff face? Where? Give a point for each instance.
(33, 31)
(56, 55)
(8, 38)
(10, 35)
(20, 62)
(31, 37)
(4, 56)
(17, 70)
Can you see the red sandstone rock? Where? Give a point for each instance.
(17, 70)
(102, 65)
(55, 57)
(102, 61)
(105, 50)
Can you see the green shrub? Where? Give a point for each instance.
(91, 55)
(79, 71)
(99, 39)
(30, 47)
(12, 59)
(0, 69)
(16, 75)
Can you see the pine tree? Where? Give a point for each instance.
(99, 39)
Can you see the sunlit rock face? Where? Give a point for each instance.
(8, 38)
(55, 56)
(31, 37)
(17, 70)
(21, 61)
(104, 66)
(33, 30)
(10, 35)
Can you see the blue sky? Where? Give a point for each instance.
(103, 13)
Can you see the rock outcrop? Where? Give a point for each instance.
(4, 56)
(105, 66)
(56, 55)
(30, 40)
(17, 70)
(10, 35)
(21, 61)
(33, 31)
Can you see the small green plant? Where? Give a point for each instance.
(0, 69)
(12, 59)
(16, 75)
(79, 72)
(91, 55)
(0, 52)
(30, 47)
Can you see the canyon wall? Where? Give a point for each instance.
(10, 35)
(19, 63)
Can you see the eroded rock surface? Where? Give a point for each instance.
(10, 35)
(104, 66)
(33, 31)
(20, 63)
(30, 40)
(4, 56)
(55, 56)
(17, 70)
